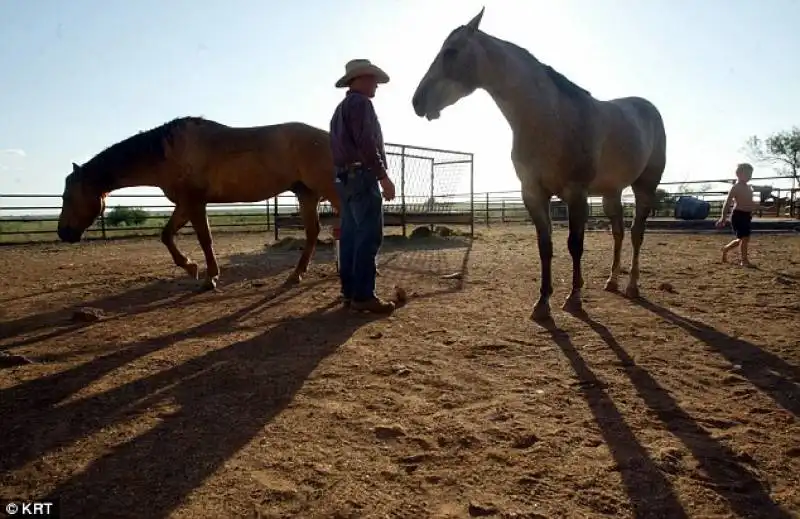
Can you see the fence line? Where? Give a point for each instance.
(426, 177)
(419, 203)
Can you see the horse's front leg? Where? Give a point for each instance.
(537, 202)
(199, 219)
(577, 207)
(176, 221)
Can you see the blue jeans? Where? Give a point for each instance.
(361, 233)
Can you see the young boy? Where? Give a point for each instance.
(741, 196)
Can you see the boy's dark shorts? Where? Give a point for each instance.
(740, 221)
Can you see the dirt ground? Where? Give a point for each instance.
(257, 402)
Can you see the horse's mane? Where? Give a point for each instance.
(145, 147)
(563, 84)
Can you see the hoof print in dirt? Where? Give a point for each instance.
(401, 370)
(478, 509)
(525, 441)
(389, 432)
(87, 315)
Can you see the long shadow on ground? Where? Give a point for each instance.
(50, 390)
(226, 396)
(650, 492)
(768, 372)
(745, 494)
(180, 290)
(400, 259)
(432, 257)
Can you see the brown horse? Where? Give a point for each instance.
(565, 143)
(195, 162)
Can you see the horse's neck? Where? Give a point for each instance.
(132, 177)
(521, 89)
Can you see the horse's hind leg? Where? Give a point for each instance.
(645, 201)
(309, 202)
(199, 219)
(612, 206)
(176, 221)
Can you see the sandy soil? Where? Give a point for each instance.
(257, 402)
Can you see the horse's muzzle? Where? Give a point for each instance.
(69, 235)
(417, 102)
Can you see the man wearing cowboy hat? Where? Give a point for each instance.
(360, 161)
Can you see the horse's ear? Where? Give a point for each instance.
(473, 24)
(75, 168)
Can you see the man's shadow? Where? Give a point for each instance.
(732, 481)
(226, 397)
(768, 372)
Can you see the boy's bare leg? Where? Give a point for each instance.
(727, 249)
(744, 242)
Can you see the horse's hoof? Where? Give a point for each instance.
(294, 279)
(611, 286)
(541, 313)
(209, 284)
(573, 305)
(192, 269)
(632, 291)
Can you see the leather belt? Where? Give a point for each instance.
(350, 166)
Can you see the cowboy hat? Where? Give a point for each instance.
(361, 67)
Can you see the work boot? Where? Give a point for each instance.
(374, 305)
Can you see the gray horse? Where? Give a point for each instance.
(565, 143)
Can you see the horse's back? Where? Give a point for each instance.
(253, 163)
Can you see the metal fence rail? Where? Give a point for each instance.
(426, 180)
(427, 195)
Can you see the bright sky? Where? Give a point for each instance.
(78, 76)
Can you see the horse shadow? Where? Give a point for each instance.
(770, 373)
(226, 397)
(731, 480)
(180, 290)
(51, 389)
(651, 494)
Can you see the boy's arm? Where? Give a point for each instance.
(728, 202)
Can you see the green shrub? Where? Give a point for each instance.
(127, 216)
